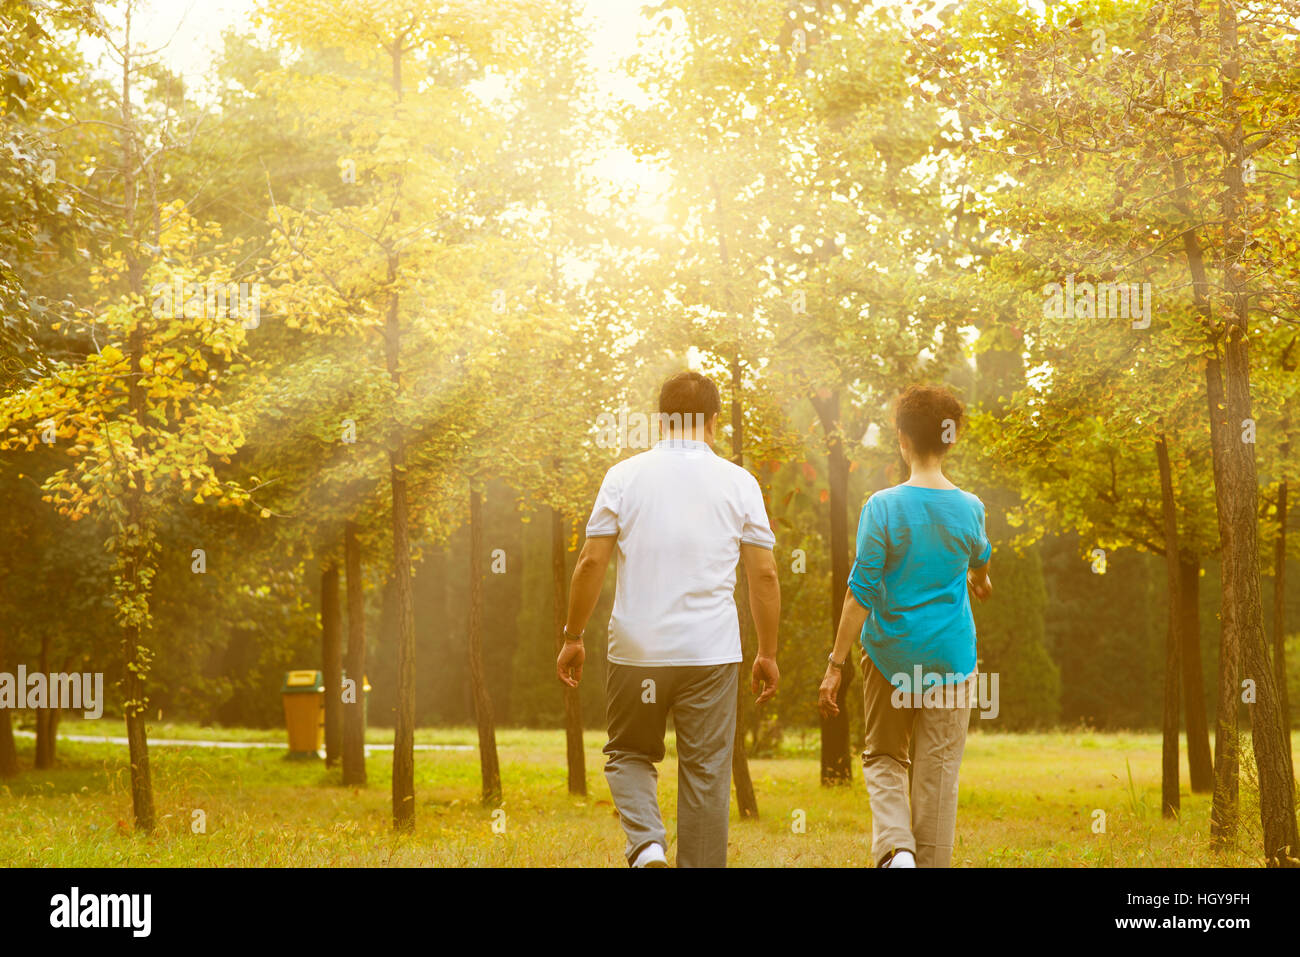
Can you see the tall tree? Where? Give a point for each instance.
(331, 621)
(141, 413)
(384, 261)
(1186, 160)
(354, 708)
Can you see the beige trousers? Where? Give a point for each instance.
(927, 826)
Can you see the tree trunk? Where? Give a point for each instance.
(489, 764)
(746, 800)
(1198, 730)
(836, 760)
(134, 705)
(1241, 551)
(1279, 620)
(44, 747)
(404, 730)
(1241, 565)
(404, 726)
(135, 540)
(1173, 639)
(47, 718)
(354, 711)
(8, 750)
(47, 736)
(574, 754)
(1224, 809)
(42, 759)
(1224, 806)
(331, 660)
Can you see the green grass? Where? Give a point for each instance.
(1026, 800)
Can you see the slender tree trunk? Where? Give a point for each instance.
(575, 756)
(331, 660)
(1200, 765)
(1173, 639)
(134, 706)
(354, 709)
(836, 760)
(1224, 811)
(8, 750)
(746, 799)
(47, 737)
(1241, 564)
(1224, 808)
(136, 541)
(1279, 620)
(489, 764)
(47, 717)
(1241, 553)
(44, 750)
(404, 731)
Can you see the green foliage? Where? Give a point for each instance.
(1105, 631)
(1009, 641)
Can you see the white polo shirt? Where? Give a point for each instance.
(680, 513)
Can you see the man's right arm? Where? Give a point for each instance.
(584, 591)
(587, 582)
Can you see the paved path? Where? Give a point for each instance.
(176, 743)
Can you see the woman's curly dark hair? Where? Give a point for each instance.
(930, 417)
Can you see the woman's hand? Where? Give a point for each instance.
(828, 692)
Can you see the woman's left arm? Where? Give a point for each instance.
(865, 587)
(852, 617)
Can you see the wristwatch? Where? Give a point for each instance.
(837, 664)
(569, 637)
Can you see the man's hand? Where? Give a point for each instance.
(568, 666)
(765, 675)
(829, 691)
(979, 584)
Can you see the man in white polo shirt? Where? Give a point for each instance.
(680, 519)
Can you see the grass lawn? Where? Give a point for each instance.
(1026, 800)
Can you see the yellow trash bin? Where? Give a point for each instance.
(303, 694)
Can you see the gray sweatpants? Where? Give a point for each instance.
(702, 701)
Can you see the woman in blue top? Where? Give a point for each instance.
(922, 554)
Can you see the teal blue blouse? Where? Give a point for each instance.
(914, 548)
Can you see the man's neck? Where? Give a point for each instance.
(685, 436)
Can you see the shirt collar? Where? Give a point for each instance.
(683, 444)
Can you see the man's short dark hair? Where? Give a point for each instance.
(930, 417)
(689, 394)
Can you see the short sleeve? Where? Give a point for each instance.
(982, 548)
(604, 514)
(757, 529)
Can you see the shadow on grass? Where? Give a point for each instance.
(72, 774)
(104, 769)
